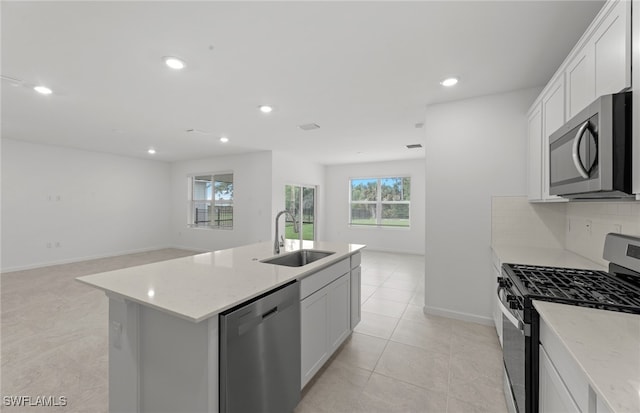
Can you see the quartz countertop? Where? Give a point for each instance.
(606, 346)
(553, 257)
(200, 286)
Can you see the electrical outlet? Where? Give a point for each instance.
(58, 244)
(588, 225)
(617, 228)
(48, 245)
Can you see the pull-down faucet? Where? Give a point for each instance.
(276, 243)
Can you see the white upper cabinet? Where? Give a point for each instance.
(612, 51)
(598, 65)
(580, 82)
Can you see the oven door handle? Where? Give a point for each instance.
(510, 316)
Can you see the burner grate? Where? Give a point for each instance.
(596, 288)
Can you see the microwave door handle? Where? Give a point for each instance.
(576, 151)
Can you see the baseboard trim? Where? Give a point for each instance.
(79, 259)
(473, 318)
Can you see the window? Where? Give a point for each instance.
(382, 202)
(211, 203)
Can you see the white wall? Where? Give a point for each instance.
(252, 201)
(337, 226)
(83, 204)
(291, 169)
(475, 149)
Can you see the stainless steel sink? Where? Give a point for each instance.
(298, 258)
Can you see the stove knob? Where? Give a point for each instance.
(511, 298)
(514, 305)
(503, 282)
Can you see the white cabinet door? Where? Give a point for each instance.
(580, 75)
(553, 117)
(356, 275)
(534, 154)
(313, 319)
(612, 51)
(554, 397)
(325, 323)
(339, 311)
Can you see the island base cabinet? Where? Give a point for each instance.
(159, 362)
(325, 323)
(356, 280)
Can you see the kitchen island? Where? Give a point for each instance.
(163, 318)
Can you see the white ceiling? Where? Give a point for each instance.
(363, 71)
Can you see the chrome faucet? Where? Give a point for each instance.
(276, 243)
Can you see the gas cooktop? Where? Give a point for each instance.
(588, 288)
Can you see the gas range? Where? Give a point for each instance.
(617, 289)
(586, 288)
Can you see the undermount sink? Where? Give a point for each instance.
(298, 258)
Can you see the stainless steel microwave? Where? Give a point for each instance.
(590, 156)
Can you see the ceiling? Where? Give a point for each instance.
(363, 71)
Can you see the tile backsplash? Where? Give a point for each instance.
(577, 226)
(588, 223)
(516, 222)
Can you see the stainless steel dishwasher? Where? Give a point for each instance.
(260, 353)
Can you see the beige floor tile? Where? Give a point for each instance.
(384, 307)
(400, 284)
(384, 394)
(479, 368)
(429, 336)
(376, 325)
(362, 351)
(420, 367)
(339, 385)
(455, 405)
(392, 294)
(366, 291)
(417, 298)
(478, 392)
(466, 347)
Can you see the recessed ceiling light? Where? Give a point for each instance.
(151, 151)
(174, 62)
(224, 139)
(265, 108)
(309, 126)
(450, 81)
(43, 89)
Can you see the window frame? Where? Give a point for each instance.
(378, 202)
(191, 201)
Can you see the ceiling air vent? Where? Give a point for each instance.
(414, 146)
(309, 126)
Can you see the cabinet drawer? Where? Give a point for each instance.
(316, 281)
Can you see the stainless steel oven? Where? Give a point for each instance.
(518, 348)
(591, 155)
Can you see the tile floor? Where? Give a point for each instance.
(401, 360)
(54, 342)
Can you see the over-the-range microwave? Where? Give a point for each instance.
(590, 156)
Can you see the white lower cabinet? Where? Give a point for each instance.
(554, 395)
(356, 280)
(325, 323)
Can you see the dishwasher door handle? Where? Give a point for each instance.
(270, 313)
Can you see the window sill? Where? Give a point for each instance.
(198, 227)
(382, 227)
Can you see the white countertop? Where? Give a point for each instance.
(553, 257)
(606, 346)
(200, 286)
